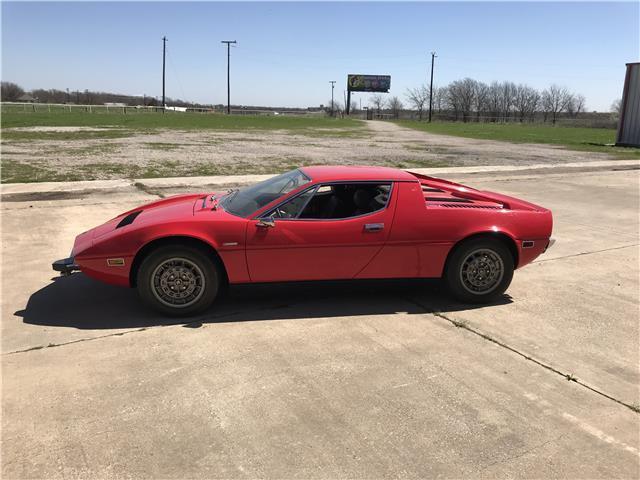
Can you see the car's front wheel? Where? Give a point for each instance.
(178, 280)
(479, 270)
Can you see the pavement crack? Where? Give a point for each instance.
(586, 253)
(196, 322)
(568, 376)
(80, 340)
(523, 453)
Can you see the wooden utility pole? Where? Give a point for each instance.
(433, 56)
(333, 83)
(164, 54)
(228, 42)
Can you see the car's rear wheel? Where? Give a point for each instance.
(178, 280)
(479, 270)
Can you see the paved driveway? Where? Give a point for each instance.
(381, 379)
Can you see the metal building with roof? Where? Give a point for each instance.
(629, 124)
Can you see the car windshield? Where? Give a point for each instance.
(248, 200)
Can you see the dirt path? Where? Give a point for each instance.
(470, 151)
(173, 153)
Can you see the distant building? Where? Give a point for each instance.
(629, 123)
(27, 98)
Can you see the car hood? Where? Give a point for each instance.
(166, 209)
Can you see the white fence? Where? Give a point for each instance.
(21, 107)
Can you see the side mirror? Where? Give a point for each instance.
(267, 222)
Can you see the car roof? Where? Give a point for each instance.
(355, 173)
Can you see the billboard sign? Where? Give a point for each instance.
(368, 83)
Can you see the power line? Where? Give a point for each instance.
(228, 42)
(175, 73)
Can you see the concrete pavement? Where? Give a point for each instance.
(12, 191)
(374, 379)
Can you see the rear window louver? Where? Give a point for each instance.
(128, 220)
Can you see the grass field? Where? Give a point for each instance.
(574, 138)
(183, 121)
(65, 146)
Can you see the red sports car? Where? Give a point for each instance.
(315, 223)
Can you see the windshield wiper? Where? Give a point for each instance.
(232, 192)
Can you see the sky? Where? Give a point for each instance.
(288, 52)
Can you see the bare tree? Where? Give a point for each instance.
(88, 97)
(395, 105)
(580, 103)
(49, 96)
(439, 98)
(337, 107)
(378, 102)
(507, 99)
(615, 109)
(616, 106)
(481, 99)
(555, 100)
(526, 101)
(494, 96)
(545, 105)
(417, 98)
(498, 101)
(570, 107)
(462, 96)
(575, 105)
(10, 92)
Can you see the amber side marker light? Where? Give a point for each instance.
(115, 262)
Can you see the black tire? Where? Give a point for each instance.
(479, 270)
(178, 280)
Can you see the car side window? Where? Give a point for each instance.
(292, 208)
(346, 200)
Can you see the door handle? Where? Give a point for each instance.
(373, 227)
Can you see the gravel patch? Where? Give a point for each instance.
(214, 152)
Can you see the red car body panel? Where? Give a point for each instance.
(424, 219)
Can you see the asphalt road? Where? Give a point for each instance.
(343, 379)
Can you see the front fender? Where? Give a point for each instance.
(127, 243)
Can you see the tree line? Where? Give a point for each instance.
(471, 100)
(462, 100)
(11, 92)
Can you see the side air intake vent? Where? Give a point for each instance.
(453, 205)
(448, 200)
(128, 220)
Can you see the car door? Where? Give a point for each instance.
(297, 243)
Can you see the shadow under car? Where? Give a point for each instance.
(80, 302)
